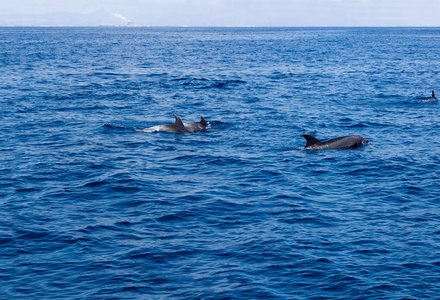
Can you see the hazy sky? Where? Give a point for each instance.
(222, 12)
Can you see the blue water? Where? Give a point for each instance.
(93, 209)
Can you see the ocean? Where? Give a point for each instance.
(94, 208)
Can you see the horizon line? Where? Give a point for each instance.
(232, 26)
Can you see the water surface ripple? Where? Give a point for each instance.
(94, 209)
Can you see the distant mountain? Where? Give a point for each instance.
(97, 18)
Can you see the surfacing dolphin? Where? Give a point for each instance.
(433, 98)
(196, 126)
(176, 127)
(429, 99)
(343, 142)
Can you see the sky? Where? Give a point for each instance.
(220, 12)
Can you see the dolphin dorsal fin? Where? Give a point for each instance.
(310, 140)
(178, 121)
(202, 121)
(433, 96)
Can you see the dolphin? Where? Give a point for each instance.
(343, 142)
(176, 127)
(433, 98)
(429, 99)
(196, 126)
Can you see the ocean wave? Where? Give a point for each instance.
(91, 208)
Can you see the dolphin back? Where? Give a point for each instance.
(178, 121)
(203, 122)
(346, 142)
(343, 142)
(310, 140)
(196, 126)
(176, 127)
